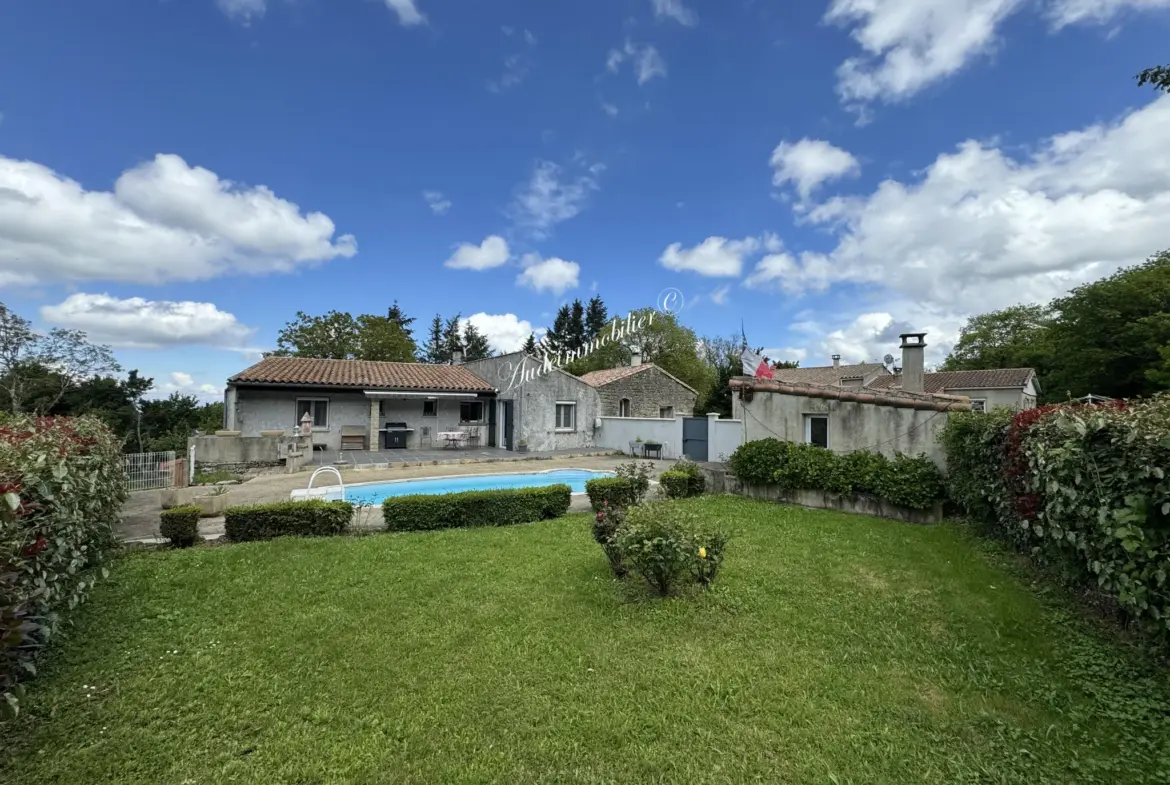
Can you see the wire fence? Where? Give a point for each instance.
(146, 471)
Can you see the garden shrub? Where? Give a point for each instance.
(910, 481)
(806, 467)
(664, 542)
(696, 482)
(857, 473)
(311, 518)
(180, 525)
(606, 523)
(476, 508)
(62, 486)
(674, 484)
(755, 462)
(637, 473)
(611, 491)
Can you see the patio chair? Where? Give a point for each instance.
(471, 437)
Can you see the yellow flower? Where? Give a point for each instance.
(702, 553)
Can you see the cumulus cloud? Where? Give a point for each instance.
(435, 201)
(674, 9)
(515, 69)
(809, 163)
(163, 221)
(243, 10)
(548, 275)
(185, 384)
(492, 252)
(552, 196)
(506, 332)
(1062, 13)
(147, 324)
(645, 59)
(985, 230)
(719, 294)
(407, 11)
(715, 256)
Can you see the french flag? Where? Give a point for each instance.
(755, 365)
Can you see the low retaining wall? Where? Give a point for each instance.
(720, 481)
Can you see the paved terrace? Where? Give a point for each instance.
(361, 459)
(140, 515)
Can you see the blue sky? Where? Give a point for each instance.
(178, 177)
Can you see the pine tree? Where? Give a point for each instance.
(530, 345)
(452, 341)
(558, 335)
(475, 343)
(576, 337)
(596, 317)
(396, 315)
(434, 349)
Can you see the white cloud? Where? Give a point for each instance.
(674, 9)
(548, 275)
(809, 163)
(435, 200)
(719, 294)
(244, 10)
(644, 57)
(529, 38)
(715, 256)
(492, 252)
(981, 230)
(609, 109)
(506, 332)
(775, 268)
(408, 13)
(147, 324)
(1067, 12)
(185, 384)
(515, 69)
(548, 198)
(785, 354)
(164, 221)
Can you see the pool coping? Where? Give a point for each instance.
(302, 494)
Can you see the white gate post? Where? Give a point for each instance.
(191, 465)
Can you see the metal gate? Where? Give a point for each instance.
(695, 438)
(146, 471)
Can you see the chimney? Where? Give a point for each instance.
(913, 357)
(635, 359)
(457, 357)
(836, 361)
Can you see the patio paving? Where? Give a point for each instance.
(439, 455)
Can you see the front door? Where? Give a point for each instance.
(507, 424)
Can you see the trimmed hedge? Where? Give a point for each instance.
(475, 508)
(680, 484)
(180, 525)
(612, 491)
(312, 518)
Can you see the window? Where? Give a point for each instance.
(566, 416)
(624, 407)
(816, 430)
(978, 405)
(430, 408)
(318, 408)
(666, 412)
(471, 411)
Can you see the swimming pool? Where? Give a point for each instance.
(375, 492)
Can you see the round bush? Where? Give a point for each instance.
(180, 525)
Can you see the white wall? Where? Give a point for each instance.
(723, 436)
(617, 432)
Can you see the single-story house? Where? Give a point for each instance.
(856, 375)
(642, 390)
(1015, 388)
(360, 399)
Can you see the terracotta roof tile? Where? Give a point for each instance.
(611, 375)
(361, 374)
(962, 380)
(826, 374)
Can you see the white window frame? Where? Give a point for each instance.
(669, 415)
(808, 420)
(316, 427)
(434, 404)
(625, 407)
(982, 404)
(557, 417)
(482, 411)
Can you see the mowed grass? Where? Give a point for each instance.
(834, 649)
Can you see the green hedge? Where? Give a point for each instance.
(679, 483)
(476, 508)
(618, 492)
(180, 525)
(313, 518)
(908, 481)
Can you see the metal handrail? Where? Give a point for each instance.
(326, 469)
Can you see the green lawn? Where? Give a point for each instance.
(833, 649)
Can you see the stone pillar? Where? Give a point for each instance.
(229, 408)
(913, 358)
(375, 417)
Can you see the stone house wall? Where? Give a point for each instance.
(649, 391)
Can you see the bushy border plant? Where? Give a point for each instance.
(180, 525)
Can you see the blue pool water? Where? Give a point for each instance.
(375, 493)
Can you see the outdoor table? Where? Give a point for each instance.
(453, 438)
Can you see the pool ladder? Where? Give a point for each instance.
(333, 469)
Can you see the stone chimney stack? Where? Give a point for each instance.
(913, 360)
(836, 361)
(635, 359)
(457, 357)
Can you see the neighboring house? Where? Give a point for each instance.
(858, 375)
(359, 398)
(1015, 388)
(642, 390)
(551, 410)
